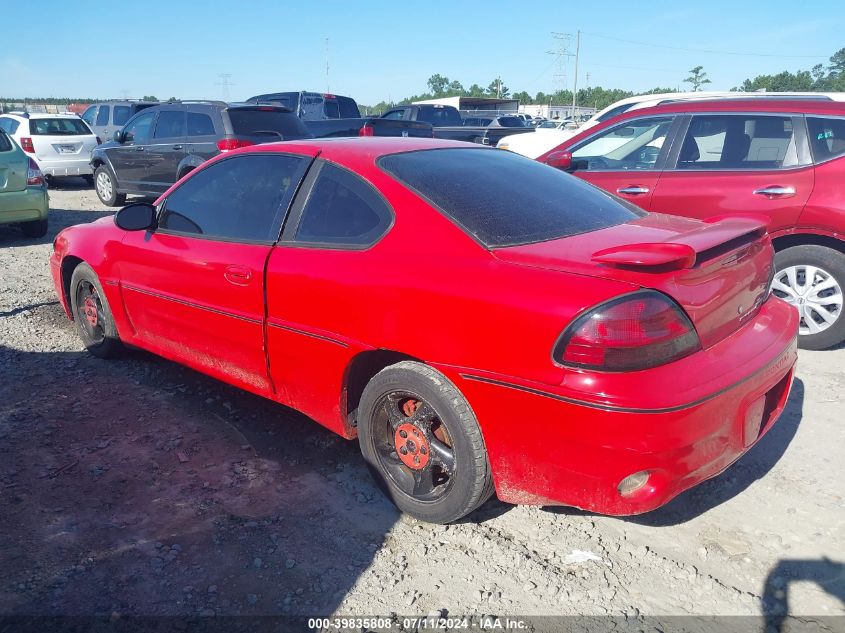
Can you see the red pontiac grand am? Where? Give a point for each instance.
(480, 321)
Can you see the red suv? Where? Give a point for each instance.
(780, 158)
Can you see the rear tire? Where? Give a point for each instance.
(819, 299)
(92, 314)
(453, 477)
(106, 187)
(36, 228)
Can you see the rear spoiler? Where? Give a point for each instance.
(716, 235)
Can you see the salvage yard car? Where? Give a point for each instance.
(60, 144)
(780, 158)
(23, 192)
(479, 320)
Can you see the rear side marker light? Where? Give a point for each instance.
(637, 331)
(26, 145)
(632, 483)
(34, 177)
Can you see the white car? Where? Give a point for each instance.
(534, 145)
(60, 144)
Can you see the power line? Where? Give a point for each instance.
(704, 50)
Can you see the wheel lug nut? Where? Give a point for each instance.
(416, 460)
(403, 434)
(422, 450)
(403, 450)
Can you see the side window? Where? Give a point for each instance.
(138, 131)
(343, 210)
(9, 126)
(199, 124)
(121, 115)
(738, 141)
(88, 115)
(243, 198)
(170, 124)
(632, 145)
(614, 112)
(5, 143)
(827, 138)
(394, 114)
(102, 116)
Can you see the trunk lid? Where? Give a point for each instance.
(61, 138)
(718, 271)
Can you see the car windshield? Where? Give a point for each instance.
(58, 127)
(274, 124)
(502, 199)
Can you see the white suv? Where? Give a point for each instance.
(60, 144)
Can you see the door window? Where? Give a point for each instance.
(121, 114)
(633, 145)
(394, 114)
(138, 130)
(242, 199)
(102, 116)
(170, 124)
(88, 115)
(827, 138)
(738, 141)
(343, 210)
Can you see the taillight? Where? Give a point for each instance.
(228, 144)
(366, 130)
(636, 331)
(34, 177)
(26, 145)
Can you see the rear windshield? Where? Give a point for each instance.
(511, 121)
(348, 108)
(503, 199)
(58, 127)
(439, 116)
(271, 123)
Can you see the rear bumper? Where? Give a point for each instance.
(65, 167)
(24, 206)
(548, 448)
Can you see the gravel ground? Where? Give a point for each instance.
(137, 486)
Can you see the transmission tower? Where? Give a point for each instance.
(561, 56)
(224, 83)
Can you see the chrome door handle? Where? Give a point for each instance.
(177, 147)
(139, 149)
(238, 275)
(633, 190)
(775, 191)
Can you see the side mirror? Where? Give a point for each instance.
(140, 216)
(118, 136)
(561, 160)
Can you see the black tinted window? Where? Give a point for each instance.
(243, 198)
(273, 124)
(170, 124)
(342, 209)
(58, 127)
(103, 115)
(827, 137)
(439, 116)
(331, 109)
(5, 142)
(121, 114)
(348, 108)
(394, 114)
(200, 124)
(511, 121)
(503, 199)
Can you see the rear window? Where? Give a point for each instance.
(502, 199)
(439, 116)
(272, 123)
(58, 127)
(348, 108)
(121, 114)
(511, 121)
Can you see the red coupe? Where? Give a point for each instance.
(479, 321)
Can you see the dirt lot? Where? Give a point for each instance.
(139, 487)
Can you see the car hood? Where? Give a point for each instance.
(719, 272)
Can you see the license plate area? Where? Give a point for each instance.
(67, 149)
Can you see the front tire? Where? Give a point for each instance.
(423, 444)
(106, 187)
(812, 278)
(92, 314)
(36, 228)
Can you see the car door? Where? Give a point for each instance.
(193, 289)
(129, 158)
(166, 150)
(626, 159)
(101, 123)
(728, 163)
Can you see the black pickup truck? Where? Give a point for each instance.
(448, 123)
(334, 115)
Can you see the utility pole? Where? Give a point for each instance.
(498, 88)
(327, 66)
(575, 83)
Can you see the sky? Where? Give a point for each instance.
(381, 50)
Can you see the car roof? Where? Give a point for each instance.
(40, 115)
(367, 146)
(785, 105)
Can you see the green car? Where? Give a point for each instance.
(23, 191)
